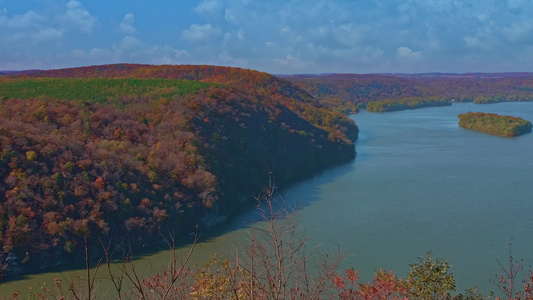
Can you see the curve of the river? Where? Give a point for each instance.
(419, 183)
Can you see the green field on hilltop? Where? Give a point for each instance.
(97, 89)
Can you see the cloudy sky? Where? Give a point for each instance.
(276, 36)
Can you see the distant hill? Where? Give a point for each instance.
(356, 89)
(463, 75)
(6, 72)
(111, 151)
(215, 74)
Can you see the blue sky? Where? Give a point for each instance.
(276, 36)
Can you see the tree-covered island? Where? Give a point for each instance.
(494, 124)
(406, 103)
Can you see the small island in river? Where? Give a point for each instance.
(405, 103)
(494, 124)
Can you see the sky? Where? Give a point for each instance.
(275, 36)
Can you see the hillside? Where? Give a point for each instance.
(108, 152)
(353, 89)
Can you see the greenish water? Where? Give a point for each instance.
(419, 183)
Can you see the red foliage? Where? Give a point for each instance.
(89, 173)
(384, 285)
(94, 165)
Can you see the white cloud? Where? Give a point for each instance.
(37, 30)
(473, 41)
(78, 53)
(229, 60)
(28, 20)
(130, 49)
(78, 17)
(29, 39)
(126, 26)
(48, 34)
(28, 29)
(230, 16)
(290, 62)
(407, 53)
(168, 56)
(241, 35)
(94, 56)
(128, 44)
(350, 34)
(134, 50)
(284, 36)
(209, 7)
(521, 32)
(201, 33)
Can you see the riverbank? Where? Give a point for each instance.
(403, 195)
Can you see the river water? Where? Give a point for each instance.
(419, 183)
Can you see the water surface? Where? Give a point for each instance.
(419, 183)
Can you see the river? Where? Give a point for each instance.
(419, 183)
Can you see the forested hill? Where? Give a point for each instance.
(243, 78)
(351, 89)
(275, 89)
(104, 152)
(192, 72)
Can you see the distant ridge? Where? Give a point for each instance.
(363, 88)
(12, 72)
(216, 74)
(466, 75)
(413, 75)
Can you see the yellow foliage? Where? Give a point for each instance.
(31, 155)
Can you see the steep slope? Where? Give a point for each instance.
(93, 154)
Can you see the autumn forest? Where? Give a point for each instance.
(92, 158)
(97, 154)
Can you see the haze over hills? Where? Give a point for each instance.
(10, 72)
(339, 89)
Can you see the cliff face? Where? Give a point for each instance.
(173, 154)
(246, 142)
